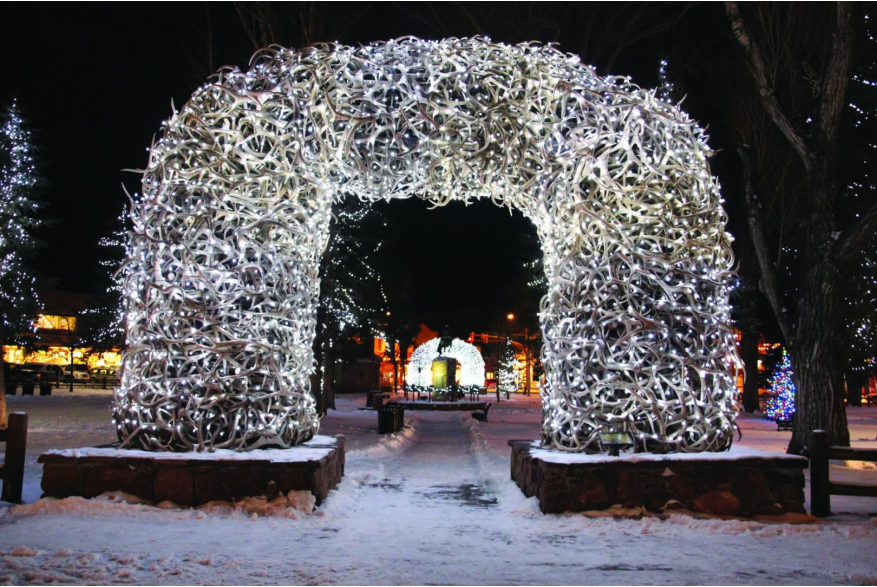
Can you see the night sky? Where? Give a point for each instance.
(95, 82)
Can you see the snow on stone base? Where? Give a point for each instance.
(736, 452)
(195, 478)
(740, 482)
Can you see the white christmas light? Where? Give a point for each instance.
(471, 363)
(221, 282)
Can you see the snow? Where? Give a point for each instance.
(431, 504)
(313, 450)
(736, 452)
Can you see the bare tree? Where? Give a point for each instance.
(297, 24)
(801, 59)
(597, 32)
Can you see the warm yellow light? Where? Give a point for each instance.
(510, 316)
(50, 322)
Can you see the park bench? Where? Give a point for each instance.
(12, 467)
(481, 415)
(821, 487)
(785, 424)
(375, 399)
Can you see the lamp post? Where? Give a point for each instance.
(510, 317)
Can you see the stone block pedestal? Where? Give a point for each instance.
(739, 482)
(195, 478)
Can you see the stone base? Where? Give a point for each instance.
(195, 478)
(443, 406)
(739, 482)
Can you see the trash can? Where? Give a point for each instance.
(27, 388)
(46, 388)
(11, 388)
(391, 418)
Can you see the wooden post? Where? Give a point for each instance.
(13, 468)
(820, 499)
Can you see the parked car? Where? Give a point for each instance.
(99, 374)
(77, 376)
(36, 373)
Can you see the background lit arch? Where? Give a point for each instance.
(222, 278)
(471, 362)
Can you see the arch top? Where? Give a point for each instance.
(446, 120)
(222, 279)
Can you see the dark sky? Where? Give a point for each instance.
(95, 82)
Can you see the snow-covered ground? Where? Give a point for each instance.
(431, 504)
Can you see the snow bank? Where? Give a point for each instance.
(390, 444)
(288, 506)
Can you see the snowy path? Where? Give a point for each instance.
(430, 505)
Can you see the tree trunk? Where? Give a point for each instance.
(317, 375)
(855, 382)
(816, 359)
(749, 348)
(3, 413)
(71, 367)
(328, 395)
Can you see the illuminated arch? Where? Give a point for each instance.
(471, 363)
(222, 279)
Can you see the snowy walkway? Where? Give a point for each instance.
(432, 504)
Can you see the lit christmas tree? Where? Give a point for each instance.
(507, 377)
(781, 407)
(351, 292)
(103, 324)
(19, 183)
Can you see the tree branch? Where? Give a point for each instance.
(853, 241)
(759, 70)
(473, 20)
(838, 74)
(755, 217)
(246, 15)
(661, 26)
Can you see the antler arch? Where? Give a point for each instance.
(222, 280)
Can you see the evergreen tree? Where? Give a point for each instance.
(782, 405)
(103, 325)
(19, 187)
(351, 293)
(507, 376)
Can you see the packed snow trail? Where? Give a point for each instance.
(432, 504)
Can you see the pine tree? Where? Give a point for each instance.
(782, 405)
(507, 376)
(19, 187)
(351, 292)
(103, 326)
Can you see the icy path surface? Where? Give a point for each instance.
(430, 505)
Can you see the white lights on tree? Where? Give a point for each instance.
(507, 372)
(222, 279)
(471, 362)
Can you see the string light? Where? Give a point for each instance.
(18, 206)
(467, 355)
(782, 405)
(222, 278)
(507, 372)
